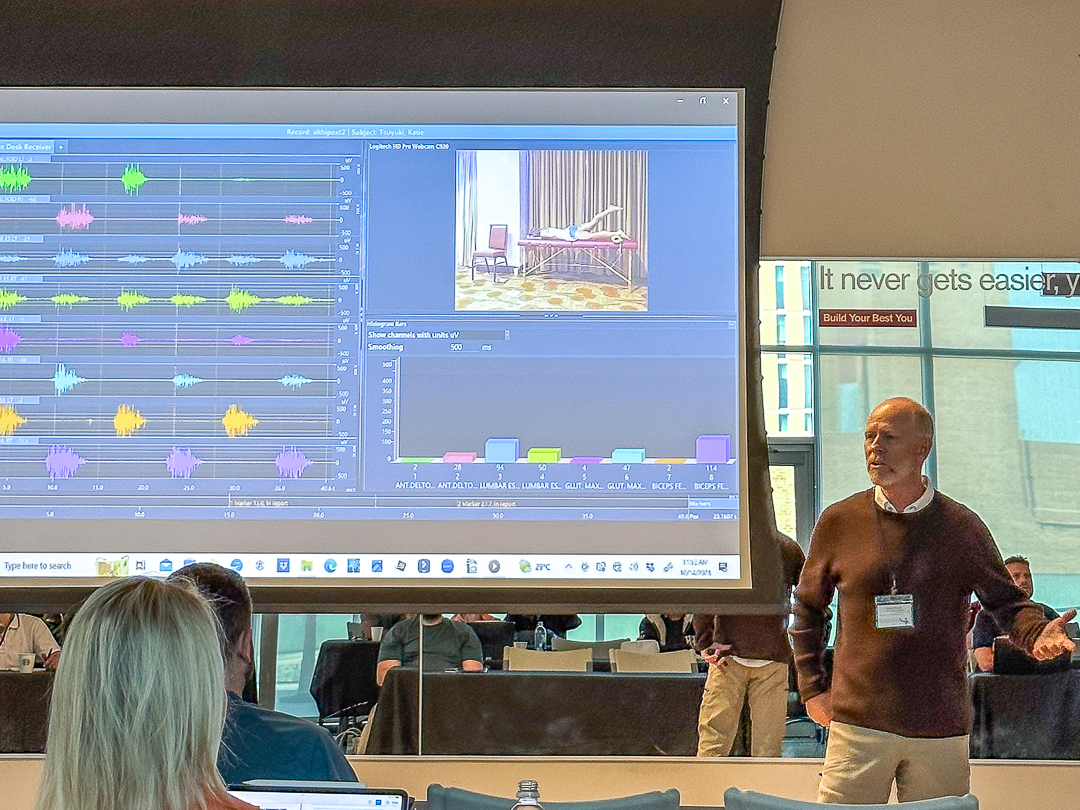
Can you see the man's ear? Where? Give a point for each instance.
(243, 648)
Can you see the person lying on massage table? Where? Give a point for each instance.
(579, 233)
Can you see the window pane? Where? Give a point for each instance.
(868, 285)
(784, 393)
(850, 386)
(783, 495)
(783, 289)
(959, 316)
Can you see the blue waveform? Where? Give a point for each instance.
(10, 258)
(183, 259)
(293, 381)
(69, 258)
(65, 380)
(186, 380)
(293, 259)
(133, 258)
(242, 261)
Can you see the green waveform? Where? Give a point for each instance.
(182, 300)
(133, 179)
(129, 299)
(14, 178)
(68, 299)
(294, 300)
(239, 300)
(9, 298)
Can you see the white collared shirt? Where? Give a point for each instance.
(25, 634)
(921, 503)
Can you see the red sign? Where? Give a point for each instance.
(866, 317)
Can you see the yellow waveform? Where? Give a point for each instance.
(127, 420)
(237, 421)
(10, 421)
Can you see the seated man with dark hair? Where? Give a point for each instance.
(257, 743)
(986, 629)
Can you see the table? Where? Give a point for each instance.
(24, 711)
(603, 253)
(1026, 716)
(539, 713)
(344, 678)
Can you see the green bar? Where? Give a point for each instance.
(415, 460)
(544, 455)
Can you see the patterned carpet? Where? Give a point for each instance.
(515, 293)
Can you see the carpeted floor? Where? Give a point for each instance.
(515, 293)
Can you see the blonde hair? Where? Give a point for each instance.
(138, 703)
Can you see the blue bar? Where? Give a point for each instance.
(7, 279)
(20, 400)
(19, 440)
(559, 132)
(501, 451)
(22, 238)
(28, 146)
(20, 360)
(626, 455)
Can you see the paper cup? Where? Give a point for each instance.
(376, 633)
(26, 662)
(522, 644)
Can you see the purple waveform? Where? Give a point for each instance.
(9, 339)
(62, 462)
(181, 463)
(241, 340)
(291, 463)
(129, 341)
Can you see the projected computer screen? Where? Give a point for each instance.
(373, 333)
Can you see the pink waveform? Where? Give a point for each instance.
(241, 340)
(190, 219)
(74, 218)
(128, 340)
(298, 219)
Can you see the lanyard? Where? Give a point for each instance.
(879, 535)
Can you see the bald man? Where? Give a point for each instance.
(905, 560)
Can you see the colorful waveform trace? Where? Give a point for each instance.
(238, 422)
(291, 462)
(10, 420)
(182, 463)
(9, 340)
(78, 217)
(127, 421)
(62, 462)
(18, 177)
(238, 300)
(64, 379)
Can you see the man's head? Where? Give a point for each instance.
(898, 438)
(228, 595)
(1020, 571)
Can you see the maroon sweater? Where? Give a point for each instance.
(908, 682)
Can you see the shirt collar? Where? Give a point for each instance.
(921, 503)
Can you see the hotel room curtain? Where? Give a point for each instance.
(467, 205)
(573, 186)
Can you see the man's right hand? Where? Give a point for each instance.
(819, 707)
(716, 654)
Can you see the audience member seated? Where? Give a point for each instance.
(258, 743)
(137, 705)
(21, 633)
(447, 645)
(558, 624)
(383, 620)
(986, 629)
(473, 617)
(672, 631)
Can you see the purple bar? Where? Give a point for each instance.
(586, 460)
(713, 449)
(459, 458)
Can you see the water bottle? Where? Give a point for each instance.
(540, 637)
(528, 795)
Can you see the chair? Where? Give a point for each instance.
(495, 250)
(493, 637)
(444, 798)
(521, 660)
(647, 645)
(735, 799)
(599, 649)
(678, 661)
(343, 683)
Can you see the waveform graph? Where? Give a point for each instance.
(9, 340)
(127, 421)
(62, 462)
(133, 178)
(75, 218)
(15, 178)
(10, 420)
(10, 299)
(129, 299)
(64, 379)
(182, 463)
(238, 422)
(291, 462)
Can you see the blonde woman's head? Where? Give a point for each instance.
(138, 702)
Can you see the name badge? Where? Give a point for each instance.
(894, 611)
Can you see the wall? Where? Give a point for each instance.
(923, 129)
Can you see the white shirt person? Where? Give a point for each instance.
(21, 633)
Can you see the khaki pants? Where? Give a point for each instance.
(861, 763)
(766, 690)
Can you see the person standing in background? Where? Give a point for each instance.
(21, 633)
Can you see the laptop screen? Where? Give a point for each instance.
(294, 799)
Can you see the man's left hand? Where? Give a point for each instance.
(1052, 641)
(52, 661)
